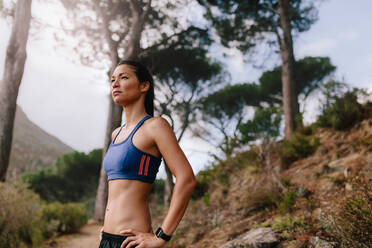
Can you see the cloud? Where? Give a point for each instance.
(319, 47)
(350, 35)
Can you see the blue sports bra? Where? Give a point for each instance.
(125, 161)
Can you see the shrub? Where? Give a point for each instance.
(288, 225)
(298, 147)
(264, 196)
(203, 179)
(344, 112)
(20, 211)
(206, 198)
(350, 223)
(288, 201)
(74, 178)
(69, 217)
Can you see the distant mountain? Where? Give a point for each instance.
(32, 147)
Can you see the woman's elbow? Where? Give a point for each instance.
(188, 183)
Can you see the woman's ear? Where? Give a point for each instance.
(145, 86)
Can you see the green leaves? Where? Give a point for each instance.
(310, 73)
(248, 21)
(265, 124)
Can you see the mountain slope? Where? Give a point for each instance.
(239, 197)
(32, 147)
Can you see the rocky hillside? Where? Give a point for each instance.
(32, 147)
(240, 207)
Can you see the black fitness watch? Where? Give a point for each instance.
(160, 234)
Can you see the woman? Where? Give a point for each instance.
(132, 161)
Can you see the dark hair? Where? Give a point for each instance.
(143, 75)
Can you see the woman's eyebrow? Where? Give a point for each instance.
(121, 73)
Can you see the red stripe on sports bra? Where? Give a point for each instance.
(141, 164)
(147, 165)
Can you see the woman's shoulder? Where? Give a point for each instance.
(158, 126)
(113, 134)
(158, 122)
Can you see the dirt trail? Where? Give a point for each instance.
(86, 237)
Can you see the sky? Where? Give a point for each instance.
(71, 101)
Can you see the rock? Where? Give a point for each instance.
(302, 191)
(256, 238)
(348, 187)
(316, 242)
(315, 215)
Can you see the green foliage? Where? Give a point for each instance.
(203, 179)
(298, 147)
(265, 124)
(288, 201)
(310, 73)
(20, 210)
(157, 191)
(26, 220)
(75, 178)
(206, 198)
(350, 221)
(69, 217)
(300, 128)
(230, 100)
(288, 225)
(158, 187)
(286, 181)
(343, 113)
(232, 17)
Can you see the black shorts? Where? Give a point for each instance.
(110, 240)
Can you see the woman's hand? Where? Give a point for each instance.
(141, 240)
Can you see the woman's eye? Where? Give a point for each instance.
(124, 77)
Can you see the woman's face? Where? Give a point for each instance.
(125, 87)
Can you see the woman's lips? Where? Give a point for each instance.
(116, 93)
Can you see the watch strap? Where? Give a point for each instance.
(160, 234)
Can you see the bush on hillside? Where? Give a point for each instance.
(300, 146)
(350, 222)
(203, 179)
(157, 191)
(75, 178)
(263, 196)
(27, 221)
(67, 217)
(20, 212)
(343, 113)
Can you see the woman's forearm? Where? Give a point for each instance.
(180, 198)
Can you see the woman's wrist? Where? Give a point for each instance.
(162, 235)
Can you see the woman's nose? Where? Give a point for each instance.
(115, 83)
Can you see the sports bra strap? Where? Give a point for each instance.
(139, 124)
(117, 133)
(135, 128)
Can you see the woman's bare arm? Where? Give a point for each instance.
(180, 167)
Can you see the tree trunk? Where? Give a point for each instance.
(114, 119)
(13, 73)
(290, 103)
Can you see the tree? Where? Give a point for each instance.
(224, 110)
(264, 127)
(310, 74)
(111, 30)
(12, 77)
(185, 75)
(244, 24)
